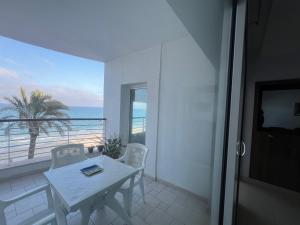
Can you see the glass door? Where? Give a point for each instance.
(235, 145)
(138, 114)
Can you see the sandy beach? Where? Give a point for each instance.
(19, 145)
(19, 148)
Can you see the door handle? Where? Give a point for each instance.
(241, 148)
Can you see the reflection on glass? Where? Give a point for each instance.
(138, 109)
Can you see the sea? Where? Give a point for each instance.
(86, 112)
(14, 147)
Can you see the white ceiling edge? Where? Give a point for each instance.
(98, 29)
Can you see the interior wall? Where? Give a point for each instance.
(184, 100)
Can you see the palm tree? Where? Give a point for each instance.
(36, 109)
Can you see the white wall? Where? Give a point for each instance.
(186, 116)
(203, 19)
(139, 67)
(185, 105)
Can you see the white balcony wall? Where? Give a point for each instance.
(186, 117)
(181, 100)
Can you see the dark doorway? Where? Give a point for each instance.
(275, 155)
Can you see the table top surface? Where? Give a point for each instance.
(74, 188)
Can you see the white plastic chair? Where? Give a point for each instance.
(67, 154)
(44, 217)
(135, 156)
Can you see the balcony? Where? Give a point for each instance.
(144, 44)
(165, 203)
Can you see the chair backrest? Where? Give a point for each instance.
(67, 154)
(47, 215)
(136, 155)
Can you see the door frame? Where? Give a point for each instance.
(234, 112)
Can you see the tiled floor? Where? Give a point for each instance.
(264, 204)
(165, 205)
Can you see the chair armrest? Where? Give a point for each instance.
(121, 159)
(141, 168)
(46, 220)
(141, 171)
(27, 194)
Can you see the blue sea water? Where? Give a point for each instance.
(83, 113)
(87, 112)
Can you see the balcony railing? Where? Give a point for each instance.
(15, 136)
(138, 130)
(138, 125)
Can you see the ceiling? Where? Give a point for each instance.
(204, 21)
(273, 29)
(283, 35)
(95, 29)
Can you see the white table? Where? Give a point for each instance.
(73, 190)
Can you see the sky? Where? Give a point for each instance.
(73, 80)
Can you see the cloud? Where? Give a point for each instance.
(69, 96)
(73, 96)
(10, 83)
(8, 73)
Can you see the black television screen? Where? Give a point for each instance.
(280, 109)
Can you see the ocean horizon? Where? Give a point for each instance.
(73, 112)
(84, 111)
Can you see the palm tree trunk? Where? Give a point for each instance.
(32, 144)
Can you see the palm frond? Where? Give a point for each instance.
(66, 123)
(17, 106)
(24, 96)
(44, 129)
(37, 106)
(56, 105)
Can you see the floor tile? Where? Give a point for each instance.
(158, 217)
(164, 205)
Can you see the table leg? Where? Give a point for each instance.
(118, 209)
(59, 211)
(99, 210)
(85, 214)
(61, 217)
(128, 198)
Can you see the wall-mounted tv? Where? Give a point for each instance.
(279, 106)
